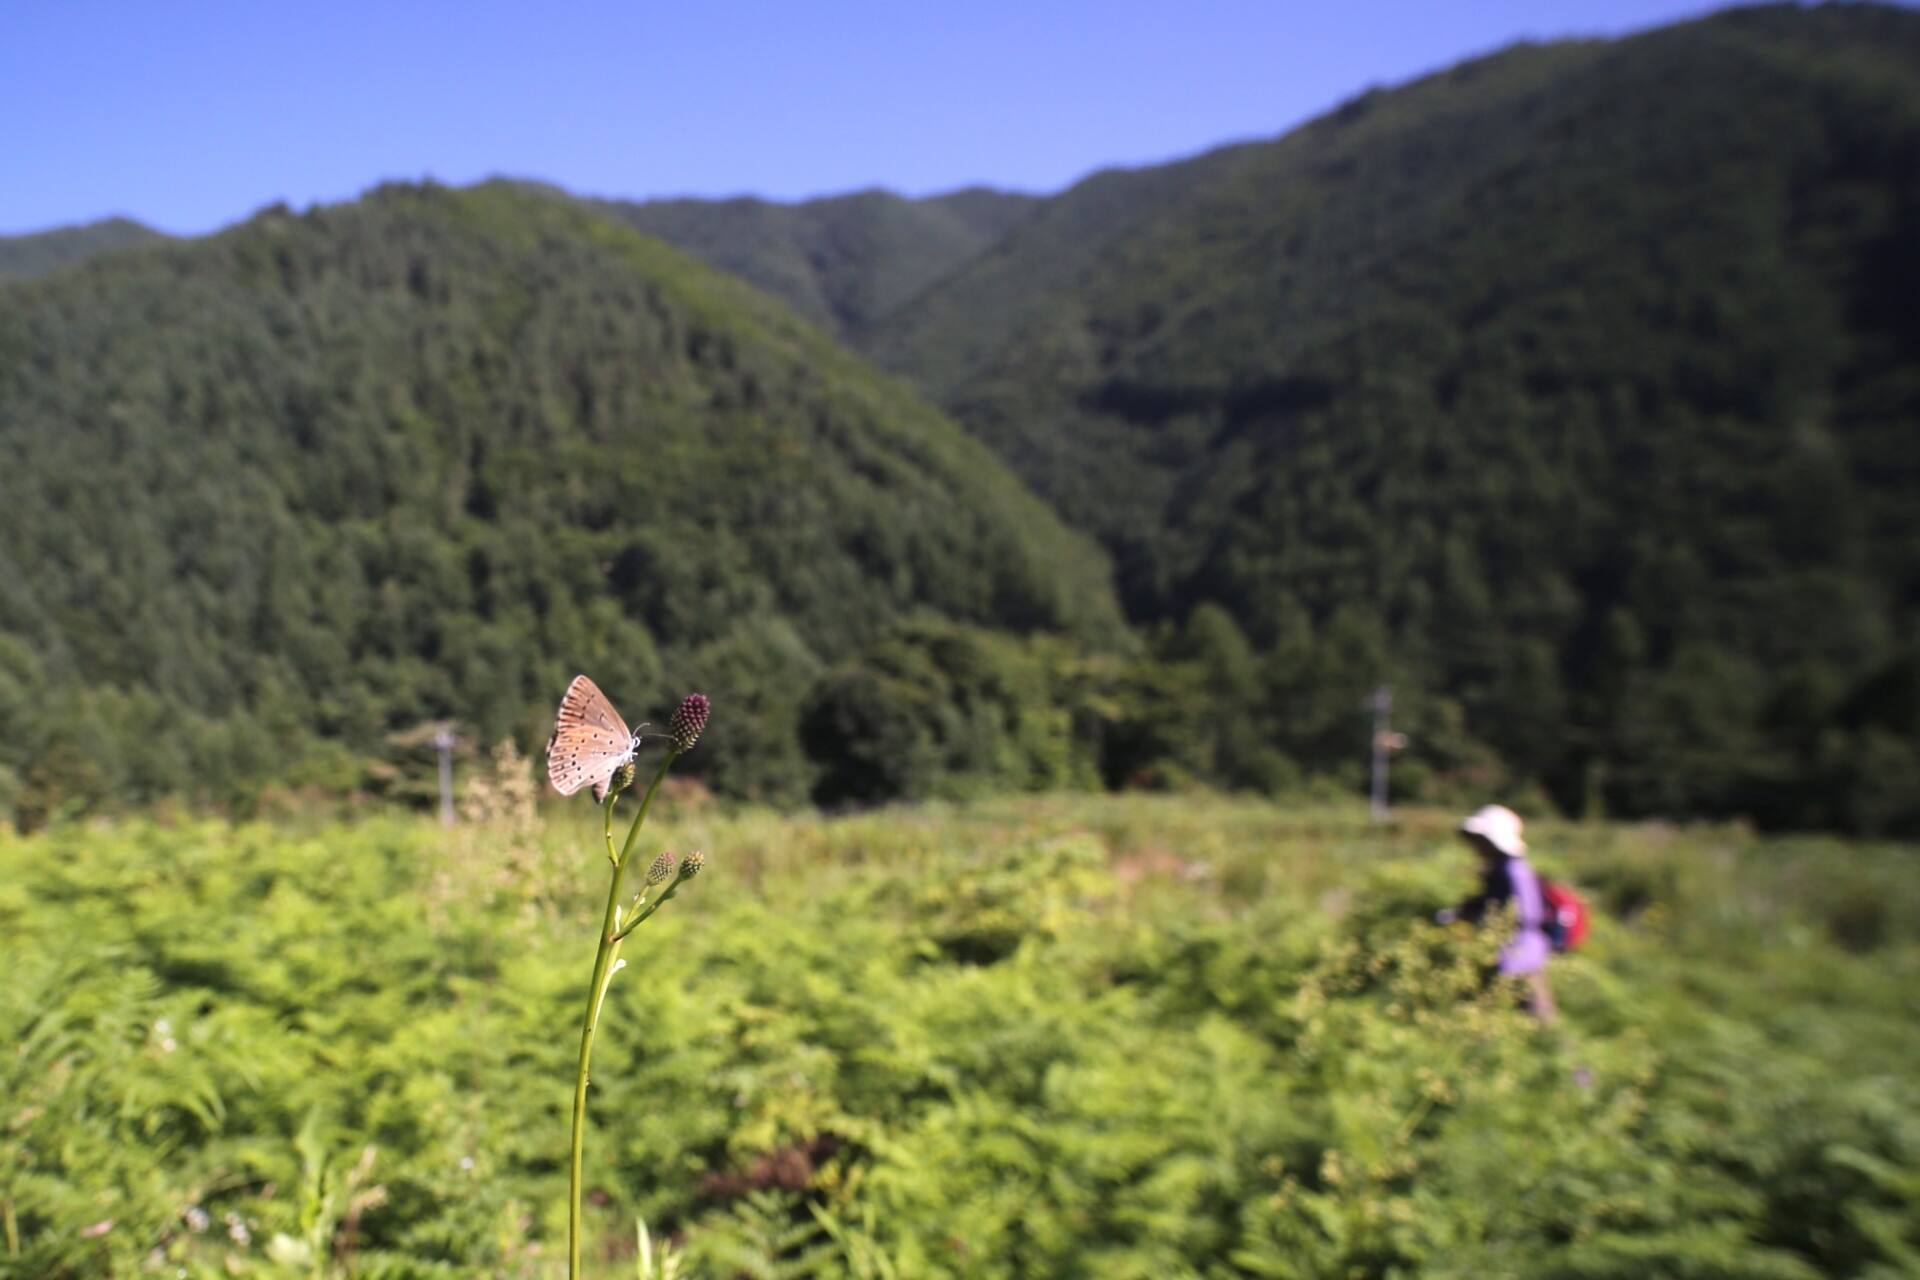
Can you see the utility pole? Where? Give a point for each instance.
(443, 741)
(1385, 743)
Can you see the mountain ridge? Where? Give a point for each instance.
(842, 261)
(35, 253)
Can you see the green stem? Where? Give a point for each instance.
(596, 991)
(642, 914)
(646, 802)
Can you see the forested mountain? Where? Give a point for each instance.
(39, 252)
(1574, 391)
(268, 496)
(844, 261)
(1579, 385)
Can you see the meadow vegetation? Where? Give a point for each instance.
(1074, 1035)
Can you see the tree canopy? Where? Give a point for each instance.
(1584, 377)
(281, 492)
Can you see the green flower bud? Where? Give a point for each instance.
(662, 868)
(691, 866)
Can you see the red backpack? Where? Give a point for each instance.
(1567, 915)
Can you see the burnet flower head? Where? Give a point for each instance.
(689, 718)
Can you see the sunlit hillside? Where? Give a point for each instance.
(274, 495)
(1570, 391)
(1578, 380)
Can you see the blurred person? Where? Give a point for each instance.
(1506, 876)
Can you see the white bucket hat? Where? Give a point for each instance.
(1499, 826)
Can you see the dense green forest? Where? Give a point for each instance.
(275, 495)
(1572, 391)
(1578, 385)
(41, 251)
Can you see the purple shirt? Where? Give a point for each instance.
(1528, 949)
(1513, 880)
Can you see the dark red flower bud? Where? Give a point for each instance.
(689, 718)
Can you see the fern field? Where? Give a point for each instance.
(1089, 1037)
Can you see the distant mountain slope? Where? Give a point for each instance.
(41, 251)
(1589, 374)
(843, 261)
(428, 454)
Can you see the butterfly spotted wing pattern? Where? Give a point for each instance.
(590, 741)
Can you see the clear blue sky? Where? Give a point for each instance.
(190, 115)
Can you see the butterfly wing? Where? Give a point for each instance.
(590, 740)
(584, 704)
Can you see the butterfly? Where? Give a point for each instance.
(590, 741)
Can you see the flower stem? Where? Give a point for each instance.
(642, 913)
(596, 991)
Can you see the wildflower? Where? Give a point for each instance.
(578, 755)
(689, 718)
